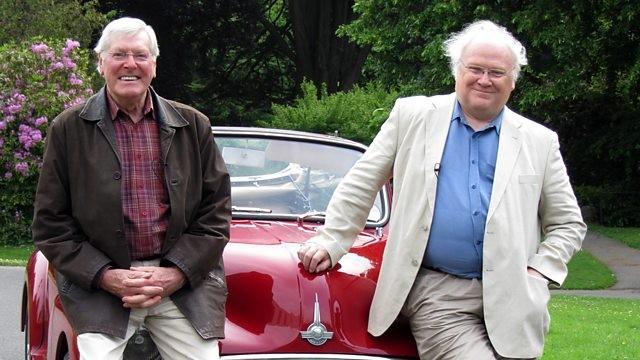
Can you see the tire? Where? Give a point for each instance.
(27, 347)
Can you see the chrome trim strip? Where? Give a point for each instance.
(294, 356)
(285, 134)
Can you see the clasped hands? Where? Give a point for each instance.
(144, 286)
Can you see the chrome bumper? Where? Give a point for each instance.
(306, 357)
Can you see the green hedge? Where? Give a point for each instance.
(613, 206)
(356, 115)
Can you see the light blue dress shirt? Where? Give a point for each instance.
(465, 178)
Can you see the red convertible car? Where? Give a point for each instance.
(281, 184)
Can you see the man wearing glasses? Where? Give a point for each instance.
(484, 217)
(132, 210)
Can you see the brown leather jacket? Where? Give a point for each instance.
(78, 222)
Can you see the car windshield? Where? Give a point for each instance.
(286, 177)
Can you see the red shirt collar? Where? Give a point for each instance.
(114, 109)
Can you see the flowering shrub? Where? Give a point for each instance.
(38, 80)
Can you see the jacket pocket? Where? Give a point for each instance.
(539, 296)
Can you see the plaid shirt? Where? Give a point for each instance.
(145, 200)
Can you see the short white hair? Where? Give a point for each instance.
(127, 26)
(484, 31)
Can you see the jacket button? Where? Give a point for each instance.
(119, 234)
(414, 262)
(424, 228)
(174, 181)
(117, 175)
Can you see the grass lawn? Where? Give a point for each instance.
(15, 255)
(593, 328)
(628, 235)
(588, 273)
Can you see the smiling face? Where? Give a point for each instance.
(482, 96)
(128, 79)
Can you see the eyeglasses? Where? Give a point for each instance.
(480, 71)
(139, 57)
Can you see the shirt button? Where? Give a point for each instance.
(473, 186)
(424, 228)
(475, 213)
(414, 262)
(144, 213)
(473, 161)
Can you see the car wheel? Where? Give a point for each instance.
(27, 347)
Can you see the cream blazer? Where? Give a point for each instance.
(533, 218)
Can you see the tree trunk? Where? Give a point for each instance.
(321, 56)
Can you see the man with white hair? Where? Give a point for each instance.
(483, 215)
(133, 208)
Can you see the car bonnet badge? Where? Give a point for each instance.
(316, 333)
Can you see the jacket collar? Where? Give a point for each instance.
(95, 109)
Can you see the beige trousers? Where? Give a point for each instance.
(446, 317)
(172, 333)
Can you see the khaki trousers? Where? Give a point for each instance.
(172, 333)
(446, 317)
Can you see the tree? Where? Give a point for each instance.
(21, 20)
(320, 55)
(233, 58)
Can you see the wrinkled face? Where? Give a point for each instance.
(480, 89)
(128, 68)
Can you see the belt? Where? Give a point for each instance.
(447, 273)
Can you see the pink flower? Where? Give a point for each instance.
(22, 168)
(69, 45)
(14, 108)
(8, 175)
(36, 135)
(68, 63)
(39, 48)
(28, 136)
(73, 80)
(3, 125)
(73, 102)
(41, 120)
(56, 65)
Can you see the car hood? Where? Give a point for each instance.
(272, 298)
